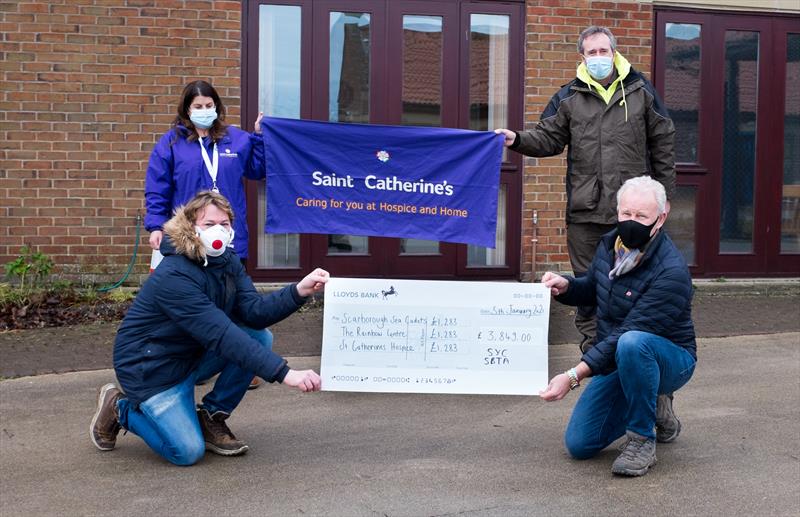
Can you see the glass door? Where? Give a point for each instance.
(422, 90)
(729, 82)
(491, 82)
(349, 87)
(407, 66)
(684, 43)
(784, 247)
(753, 55)
(404, 62)
(278, 84)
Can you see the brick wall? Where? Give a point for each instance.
(88, 87)
(552, 29)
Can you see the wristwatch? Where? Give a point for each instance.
(573, 378)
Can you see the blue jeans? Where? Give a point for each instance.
(647, 365)
(167, 421)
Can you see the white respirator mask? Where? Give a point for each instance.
(215, 239)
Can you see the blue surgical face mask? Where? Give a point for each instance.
(203, 118)
(599, 66)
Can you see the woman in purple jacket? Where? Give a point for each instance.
(200, 152)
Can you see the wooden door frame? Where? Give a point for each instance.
(314, 106)
(442, 264)
(249, 112)
(765, 259)
(511, 171)
(698, 173)
(788, 262)
(372, 263)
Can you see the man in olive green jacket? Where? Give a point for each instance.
(616, 127)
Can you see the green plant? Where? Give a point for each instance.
(121, 295)
(10, 297)
(88, 295)
(18, 268)
(60, 285)
(29, 265)
(34, 298)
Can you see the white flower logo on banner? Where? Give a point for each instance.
(382, 156)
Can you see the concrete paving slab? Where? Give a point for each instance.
(347, 454)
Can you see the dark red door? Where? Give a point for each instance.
(446, 63)
(724, 78)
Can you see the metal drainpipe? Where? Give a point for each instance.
(534, 240)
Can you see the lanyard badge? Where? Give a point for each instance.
(212, 166)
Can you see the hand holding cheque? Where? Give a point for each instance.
(562, 383)
(308, 380)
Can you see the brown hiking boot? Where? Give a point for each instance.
(105, 423)
(218, 436)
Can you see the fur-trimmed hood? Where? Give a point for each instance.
(183, 239)
(184, 310)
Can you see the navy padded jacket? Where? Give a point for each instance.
(185, 309)
(655, 297)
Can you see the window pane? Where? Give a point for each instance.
(348, 99)
(682, 86)
(739, 141)
(488, 71)
(790, 213)
(275, 250)
(278, 96)
(680, 224)
(418, 247)
(348, 245)
(279, 60)
(422, 92)
(422, 70)
(478, 256)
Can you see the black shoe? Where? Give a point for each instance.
(668, 427)
(105, 423)
(218, 436)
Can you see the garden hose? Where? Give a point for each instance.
(133, 258)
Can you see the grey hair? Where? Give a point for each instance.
(644, 184)
(591, 31)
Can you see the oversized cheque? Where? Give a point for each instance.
(415, 336)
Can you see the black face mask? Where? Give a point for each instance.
(634, 234)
